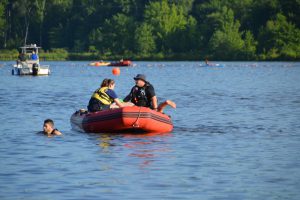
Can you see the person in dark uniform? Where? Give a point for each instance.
(143, 94)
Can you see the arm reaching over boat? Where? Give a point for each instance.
(118, 104)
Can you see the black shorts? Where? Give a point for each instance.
(96, 105)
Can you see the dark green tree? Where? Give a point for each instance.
(186, 39)
(3, 22)
(290, 9)
(226, 42)
(248, 51)
(119, 34)
(222, 29)
(280, 39)
(40, 13)
(144, 40)
(166, 19)
(56, 20)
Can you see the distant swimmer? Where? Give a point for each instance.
(207, 63)
(48, 128)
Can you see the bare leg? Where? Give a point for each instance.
(162, 106)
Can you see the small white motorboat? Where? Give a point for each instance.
(27, 64)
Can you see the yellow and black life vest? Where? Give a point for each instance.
(100, 94)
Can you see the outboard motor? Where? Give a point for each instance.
(35, 69)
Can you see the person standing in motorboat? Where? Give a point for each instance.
(105, 97)
(21, 58)
(143, 94)
(34, 56)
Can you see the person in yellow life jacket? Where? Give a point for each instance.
(104, 97)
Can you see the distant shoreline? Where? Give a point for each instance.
(63, 55)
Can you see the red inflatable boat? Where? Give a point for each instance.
(121, 63)
(126, 119)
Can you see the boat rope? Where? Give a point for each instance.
(136, 124)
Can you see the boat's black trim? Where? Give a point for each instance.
(147, 115)
(91, 119)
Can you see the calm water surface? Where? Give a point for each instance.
(236, 134)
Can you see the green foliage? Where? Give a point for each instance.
(54, 54)
(167, 19)
(154, 29)
(92, 49)
(119, 33)
(96, 38)
(226, 43)
(280, 38)
(2, 16)
(144, 39)
(290, 52)
(2, 22)
(185, 39)
(55, 36)
(249, 49)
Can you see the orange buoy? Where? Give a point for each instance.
(116, 71)
(97, 64)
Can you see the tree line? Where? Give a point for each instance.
(186, 29)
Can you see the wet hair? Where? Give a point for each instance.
(49, 121)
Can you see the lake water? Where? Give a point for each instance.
(236, 134)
